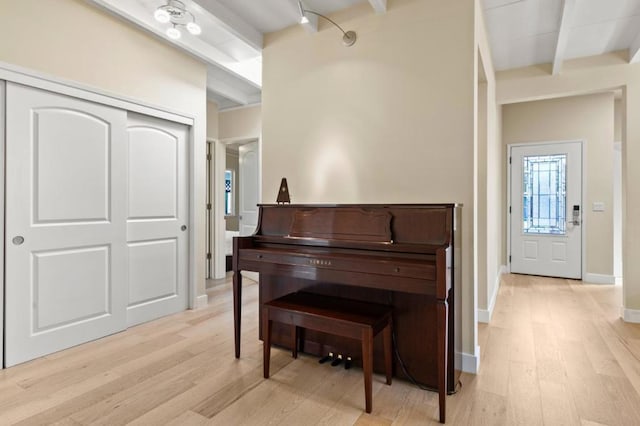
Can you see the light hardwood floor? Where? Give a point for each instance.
(555, 353)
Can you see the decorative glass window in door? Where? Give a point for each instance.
(544, 195)
(228, 192)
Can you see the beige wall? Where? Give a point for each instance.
(388, 120)
(587, 75)
(590, 119)
(241, 123)
(71, 40)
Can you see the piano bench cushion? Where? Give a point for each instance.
(332, 315)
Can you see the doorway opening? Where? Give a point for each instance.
(234, 190)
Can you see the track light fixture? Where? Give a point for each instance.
(176, 14)
(348, 37)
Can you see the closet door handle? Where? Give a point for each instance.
(17, 240)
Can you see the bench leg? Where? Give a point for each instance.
(294, 332)
(367, 366)
(266, 338)
(387, 343)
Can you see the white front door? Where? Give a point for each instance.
(157, 219)
(546, 209)
(65, 240)
(248, 188)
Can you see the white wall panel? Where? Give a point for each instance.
(70, 286)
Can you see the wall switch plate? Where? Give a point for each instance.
(598, 206)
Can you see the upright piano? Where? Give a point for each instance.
(403, 255)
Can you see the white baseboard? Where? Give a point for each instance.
(484, 315)
(201, 301)
(618, 281)
(471, 363)
(590, 278)
(630, 315)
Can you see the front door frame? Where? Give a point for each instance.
(583, 195)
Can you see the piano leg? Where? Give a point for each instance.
(237, 308)
(441, 313)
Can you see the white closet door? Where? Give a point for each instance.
(66, 273)
(157, 219)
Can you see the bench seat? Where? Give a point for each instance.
(353, 319)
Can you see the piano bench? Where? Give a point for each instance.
(332, 315)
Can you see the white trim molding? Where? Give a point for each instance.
(201, 301)
(630, 315)
(590, 278)
(471, 363)
(484, 315)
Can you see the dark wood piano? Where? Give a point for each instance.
(404, 255)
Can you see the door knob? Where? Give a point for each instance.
(183, 228)
(17, 240)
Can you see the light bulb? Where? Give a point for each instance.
(174, 33)
(304, 20)
(194, 28)
(162, 15)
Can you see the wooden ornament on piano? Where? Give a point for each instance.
(283, 193)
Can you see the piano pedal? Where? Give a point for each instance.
(336, 361)
(326, 358)
(347, 363)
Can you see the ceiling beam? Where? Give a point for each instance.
(634, 50)
(568, 7)
(380, 6)
(227, 91)
(311, 23)
(137, 14)
(232, 23)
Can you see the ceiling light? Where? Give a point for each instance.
(176, 14)
(174, 33)
(348, 37)
(162, 16)
(194, 28)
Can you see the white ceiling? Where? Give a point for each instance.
(528, 32)
(521, 33)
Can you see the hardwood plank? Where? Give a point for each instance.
(187, 418)
(524, 406)
(558, 407)
(488, 408)
(493, 376)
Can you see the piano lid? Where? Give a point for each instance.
(385, 226)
